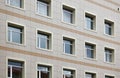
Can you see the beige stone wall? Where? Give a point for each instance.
(32, 22)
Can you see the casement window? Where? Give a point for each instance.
(15, 69)
(16, 3)
(109, 55)
(90, 75)
(90, 21)
(106, 76)
(43, 40)
(68, 45)
(68, 14)
(67, 73)
(15, 33)
(90, 50)
(109, 27)
(43, 7)
(44, 71)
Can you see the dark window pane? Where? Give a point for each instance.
(44, 74)
(9, 71)
(17, 72)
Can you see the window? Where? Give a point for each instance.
(67, 73)
(90, 21)
(15, 33)
(68, 45)
(43, 40)
(109, 55)
(43, 71)
(90, 75)
(90, 50)
(106, 76)
(43, 7)
(15, 69)
(109, 27)
(16, 3)
(68, 14)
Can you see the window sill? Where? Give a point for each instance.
(112, 36)
(91, 59)
(72, 55)
(49, 17)
(48, 50)
(95, 31)
(111, 63)
(22, 9)
(13, 43)
(72, 24)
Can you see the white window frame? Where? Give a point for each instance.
(90, 75)
(21, 4)
(69, 69)
(11, 66)
(48, 10)
(92, 20)
(94, 50)
(19, 26)
(71, 10)
(39, 36)
(45, 65)
(108, 24)
(71, 44)
(111, 53)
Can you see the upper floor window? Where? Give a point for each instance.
(44, 71)
(43, 40)
(68, 45)
(43, 7)
(90, 50)
(15, 69)
(90, 75)
(109, 27)
(15, 33)
(16, 3)
(68, 14)
(90, 21)
(109, 55)
(67, 73)
(106, 76)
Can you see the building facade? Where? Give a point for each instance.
(59, 39)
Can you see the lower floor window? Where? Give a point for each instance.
(90, 75)
(15, 69)
(68, 73)
(43, 71)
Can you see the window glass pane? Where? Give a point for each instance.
(108, 55)
(89, 76)
(43, 41)
(89, 22)
(67, 73)
(68, 47)
(89, 51)
(15, 69)
(9, 71)
(16, 3)
(15, 34)
(44, 72)
(108, 29)
(67, 16)
(42, 8)
(16, 72)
